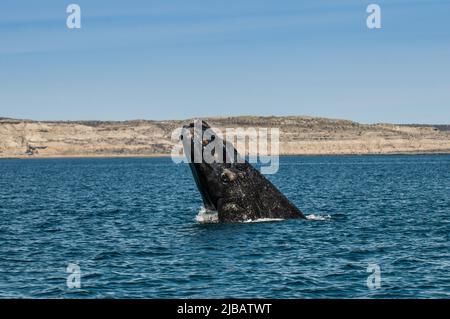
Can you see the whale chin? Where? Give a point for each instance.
(203, 187)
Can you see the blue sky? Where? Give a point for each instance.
(181, 59)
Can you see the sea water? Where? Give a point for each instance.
(136, 229)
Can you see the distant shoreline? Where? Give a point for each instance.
(25, 157)
(299, 136)
(83, 156)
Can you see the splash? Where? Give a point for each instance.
(263, 220)
(207, 216)
(211, 216)
(318, 217)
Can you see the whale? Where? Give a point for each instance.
(232, 187)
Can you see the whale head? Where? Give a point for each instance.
(208, 175)
(227, 183)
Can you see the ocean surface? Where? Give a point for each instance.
(132, 227)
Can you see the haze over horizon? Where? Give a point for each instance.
(156, 60)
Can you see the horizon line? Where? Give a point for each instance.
(5, 118)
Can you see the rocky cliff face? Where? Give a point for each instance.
(298, 135)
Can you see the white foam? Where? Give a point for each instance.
(263, 220)
(318, 217)
(211, 216)
(207, 216)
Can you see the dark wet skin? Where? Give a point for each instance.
(237, 191)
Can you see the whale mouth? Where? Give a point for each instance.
(202, 185)
(205, 175)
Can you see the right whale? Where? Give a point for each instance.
(237, 191)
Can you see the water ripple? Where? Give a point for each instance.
(129, 224)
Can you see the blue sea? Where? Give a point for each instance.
(131, 226)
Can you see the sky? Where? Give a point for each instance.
(182, 59)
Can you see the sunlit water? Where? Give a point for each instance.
(133, 227)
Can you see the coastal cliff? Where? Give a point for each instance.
(299, 135)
